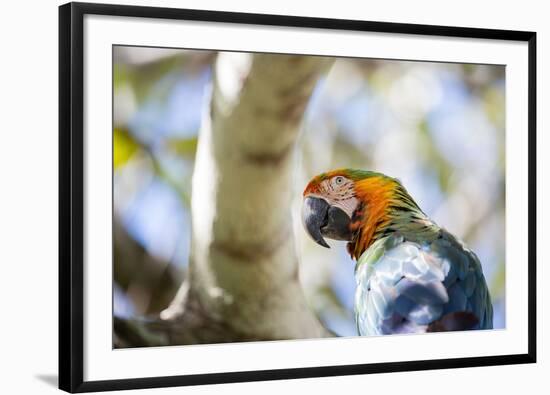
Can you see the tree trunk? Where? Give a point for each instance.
(243, 277)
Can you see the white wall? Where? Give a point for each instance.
(28, 197)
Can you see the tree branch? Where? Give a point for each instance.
(150, 282)
(243, 279)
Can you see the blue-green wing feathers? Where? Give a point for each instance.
(405, 286)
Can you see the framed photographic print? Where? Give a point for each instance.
(258, 197)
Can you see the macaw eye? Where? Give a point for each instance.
(339, 180)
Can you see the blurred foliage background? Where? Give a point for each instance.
(438, 127)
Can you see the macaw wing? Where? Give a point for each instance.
(410, 287)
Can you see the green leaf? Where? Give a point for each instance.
(185, 148)
(124, 147)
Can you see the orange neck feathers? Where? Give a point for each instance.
(376, 195)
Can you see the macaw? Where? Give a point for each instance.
(412, 275)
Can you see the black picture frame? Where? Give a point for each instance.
(71, 198)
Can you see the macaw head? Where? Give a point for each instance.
(354, 205)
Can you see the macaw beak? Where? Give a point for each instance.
(321, 219)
